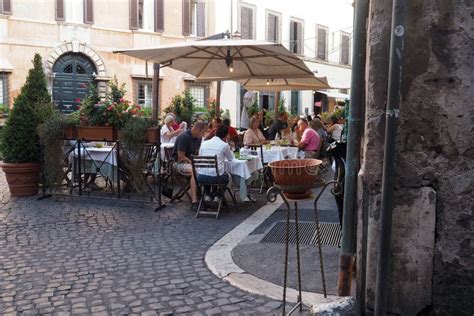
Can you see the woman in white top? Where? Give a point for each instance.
(168, 134)
(335, 130)
(254, 136)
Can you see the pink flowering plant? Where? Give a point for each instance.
(114, 110)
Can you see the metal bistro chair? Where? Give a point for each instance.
(209, 162)
(265, 173)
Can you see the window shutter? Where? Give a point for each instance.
(322, 43)
(134, 14)
(159, 16)
(271, 28)
(201, 19)
(292, 37)
(59, 10)
(277, 29)
(88, 12)
(345, 50)
(6, 7)
(186, 17)
(246, 21)
(300, 38)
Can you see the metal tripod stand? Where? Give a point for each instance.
(272, 194)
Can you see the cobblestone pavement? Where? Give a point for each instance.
(95, 257)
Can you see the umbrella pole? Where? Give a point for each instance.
(156, 91)
(277, 99)
(218, 99)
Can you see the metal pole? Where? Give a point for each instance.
(218, 99)
(388, 179)
(277, 98)
(355, 128)
(156, 92)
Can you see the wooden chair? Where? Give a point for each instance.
(265, 173)
(209, 163)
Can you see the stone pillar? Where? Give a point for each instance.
(435, 153)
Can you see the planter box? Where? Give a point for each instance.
(70, 132)
(152, 135)
(97, 133)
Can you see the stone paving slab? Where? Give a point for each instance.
(105, 258)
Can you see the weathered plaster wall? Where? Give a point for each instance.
(435, 156)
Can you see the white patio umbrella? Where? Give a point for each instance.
(226, 59)
(280, 84)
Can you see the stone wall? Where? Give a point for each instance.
(435, 153)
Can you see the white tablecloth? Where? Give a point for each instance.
(97, 160)
(243, 168)
(279, 153)
(104, 154)
(163, 146)
(243, 172)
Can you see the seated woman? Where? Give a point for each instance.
(211, 131)
(168, 133)
(253, 136)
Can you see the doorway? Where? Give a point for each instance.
(73, 72)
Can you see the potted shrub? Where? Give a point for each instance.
(20, 141)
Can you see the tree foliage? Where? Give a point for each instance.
(182, 106)
(20, 136)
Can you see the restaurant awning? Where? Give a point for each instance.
(335, 95)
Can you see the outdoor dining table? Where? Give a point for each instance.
(102, 160)
(275, 153)
(243, 171)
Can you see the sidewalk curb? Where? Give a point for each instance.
(219, 260)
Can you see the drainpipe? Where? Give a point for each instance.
(355, 128)
(388, 178)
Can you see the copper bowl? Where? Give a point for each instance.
(296, 177)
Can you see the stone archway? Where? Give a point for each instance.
(76, 47)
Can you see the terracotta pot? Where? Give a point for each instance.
(152, 135)
(70, 132)
(97, 133)
(296, 177)
(22, 178)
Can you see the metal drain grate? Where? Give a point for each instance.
(330, 233)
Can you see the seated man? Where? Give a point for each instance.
(278, 126)
(187, 144)
(216, 146)
(310, 140)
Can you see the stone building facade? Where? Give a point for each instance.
(76, 39)
(432, 266)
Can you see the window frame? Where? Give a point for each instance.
(5, 81)
(191, 83)
(301, 21)
(254, 18)
(279, 28)
(139, 79)
(326, 49)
